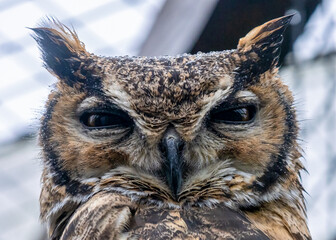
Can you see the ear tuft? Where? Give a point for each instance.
(61, 49)
(268, 33)
(266, 40)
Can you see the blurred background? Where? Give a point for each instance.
(164, 27)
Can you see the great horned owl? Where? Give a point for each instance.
(189, 147)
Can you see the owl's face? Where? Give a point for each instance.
(186, 129)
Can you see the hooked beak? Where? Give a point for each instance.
(171, 147)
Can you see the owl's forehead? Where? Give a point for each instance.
(166, 84)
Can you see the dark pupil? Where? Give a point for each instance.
(243, 114)
(98, 120)
(95, 120)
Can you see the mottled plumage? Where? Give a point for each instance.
(189, 147)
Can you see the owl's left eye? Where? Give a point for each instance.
(106, 119)
(236, 115)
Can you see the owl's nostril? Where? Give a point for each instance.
(171, 147)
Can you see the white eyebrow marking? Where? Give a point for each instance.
(246, 94)
(88, 103)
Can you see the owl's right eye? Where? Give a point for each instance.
(106, 119)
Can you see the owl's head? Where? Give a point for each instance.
(191, 129)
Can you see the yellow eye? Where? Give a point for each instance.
(237, 115)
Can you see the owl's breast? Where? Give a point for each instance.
(192, 223)
(113, 216)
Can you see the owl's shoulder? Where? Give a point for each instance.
(281, 221)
